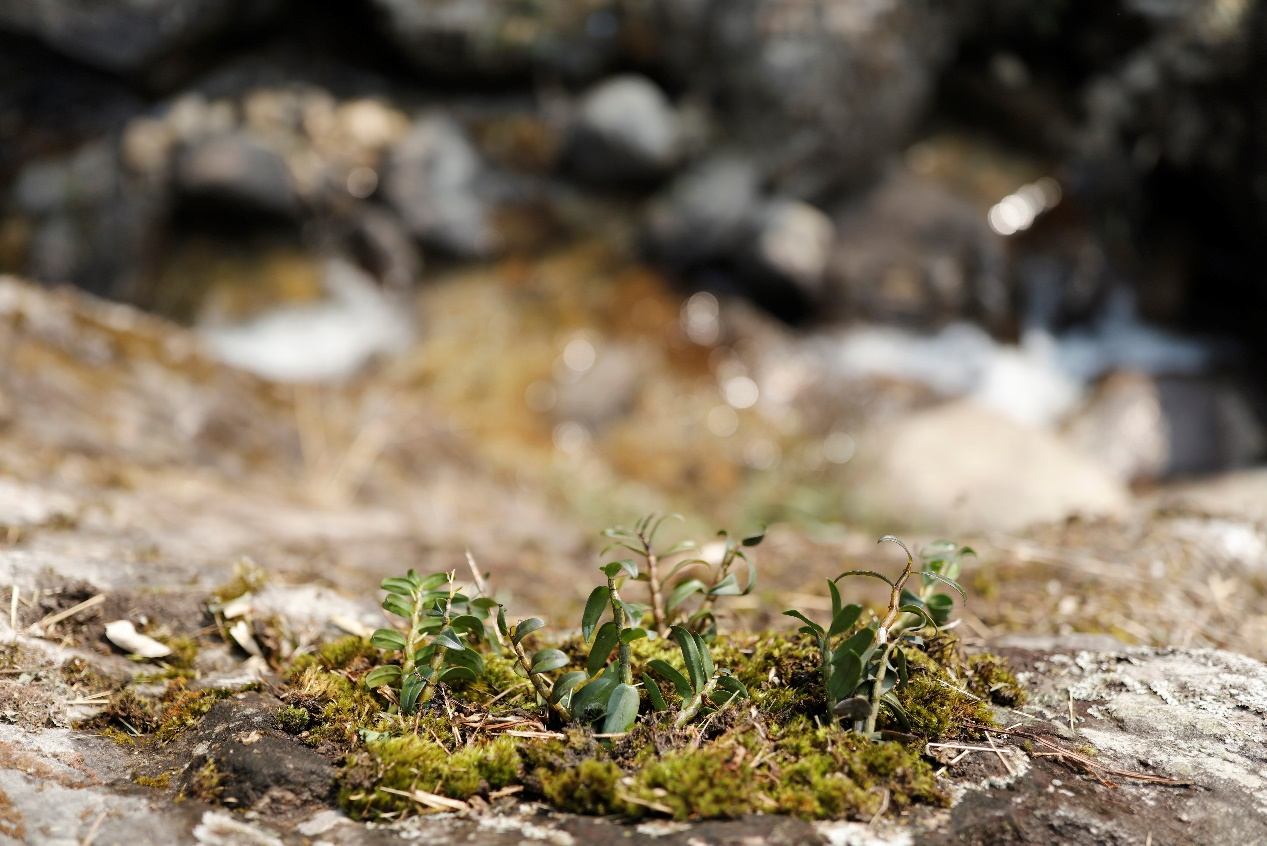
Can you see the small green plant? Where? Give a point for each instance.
(542, 661)
(610, 693)
(668, 600)
(434, 608)
(699, 688)
(860, 671)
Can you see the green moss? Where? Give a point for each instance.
(206, 783)
(292, 720)
(704, 784)
(989, 677)
(158, 782)
(120, 738)
(337, 706)
(247, 578)
(589, 788)
(184, 708)
(411, 762)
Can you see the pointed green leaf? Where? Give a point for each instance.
(706, 657)
(910, 558)
(940, 607)
(527, 627)
(501, 621)
(691, 657)
(469, 623)
(944, 580)
(845, 677)
(895, 705)
(387, 675)
(410, 690)
(604, 642)
(398, 586)
(728, 586)
(798, 615)
(682, 591)
(902, 672)
(835, 599)
(388, 639)
(431, 625)
(449, 640)
(612, 569)
(654, 693)
(546, 660)
(755, 539)
(871, 573)
(594, 607)
(468, 658)
(590, 701)
(856, 645)
(622, 709)
(398, 606)
(680, 546)
(433, 581)
(452, 674)
(843, 621)
(565, 684)
(916, 611)
(674, 677)
(732, 688)
(630, 635)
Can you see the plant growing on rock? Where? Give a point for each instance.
(611, 693)
(668, 599)
(433, 607)
(534, 668)
(860, 671)
(704, 685)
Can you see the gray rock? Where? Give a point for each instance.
(793, 244)
(434, 182)
(236, 170)
(625, 130)
(129, 35)
(705, 214)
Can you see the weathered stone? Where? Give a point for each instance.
(624, 131)
(236, 171)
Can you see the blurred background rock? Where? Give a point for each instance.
(510, 271)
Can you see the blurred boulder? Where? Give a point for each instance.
(235, 170)
(962, 467)
(1122, 429)
(625, 130)
(706, 213)
(501, 38)
(436, 181)
(910, 251)
(130, 36)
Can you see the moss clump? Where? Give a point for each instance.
(337, 706)
(128, 711)
(247, 578)
(703, 784)
(292, 720)
(206, 783)
(120, 738)
(989, 677)
(158, 782)
(352, 654)
(411, 762)
(184, 708)
(589, 788)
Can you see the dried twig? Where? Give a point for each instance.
(431, 800)
(53, 619)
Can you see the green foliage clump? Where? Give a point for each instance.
(292, 720)
(990, 678)
(592, 787)
(707, 783)
(337, 707)
(184, 708)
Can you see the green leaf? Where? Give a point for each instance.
(387, 675)
(636, 611)
(654, 693)
(449, 640)
(431, 625)
(433, 581)
(485, 603)
(835, 598)
(755, 539)
(945, 580)
(889, 538)
(594, 607)
(691, 657)
(410, 690)
(398, 586)
(604, 642)
(565, 684)
(549, 659)
(895, 705)
(940, 607)
(728, 586)
(590, 701)
(843, 621)
(844, 679)
(468, 658)
(680, 546)
(798, 615)
(855, 645)
(689, 562)
(871, 573)
(752, 576)
(675, 678)
(733, 688)
(501, 621)
(388, 639)
(630, 635)
(452, 674)
(706, 657)
(682, 591)
(622, 709)
(916, 611)
(612, 569)
(469, 623)
(398, 606)
(902, 672)
(527, 627)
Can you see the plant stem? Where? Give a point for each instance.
(538, 682)
(691, 708)
(709, 599)
(437, 656)
(653, 580)
(877, 687)
(623, 654)
(824, 645)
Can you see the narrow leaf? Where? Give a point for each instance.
(682, 592)
(951, 582)
(546, 660)
(433, 581)
(855, 645)
(902, 672)
(843, 621)
(469, 623)
(835, 599)
(388, 639)
(798, 615)
(846, 676)
(706, 657)
(674, 676)
(755, 539)
(501, 621)
(915, 610)
(654, 693)
(452, 674)
(594, 610)
(387, 675)
(527, 627)
(604, 642)
(892, 539)
(468, 658)
(398, 606)
(691, 657)
(630, 635)
(871, 573)
(449, 640)
(728, 586)
(590, 701)
(410, 690)
(565, 684)
(398, 586)
(895, 705)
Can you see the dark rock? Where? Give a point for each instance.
(705, 214)
(910, 251)
(625, 130)
(435, 182)
(382, 246)
(791, 246)
(236, 171)
(129, 35)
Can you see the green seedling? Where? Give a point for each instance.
(554, 694)
(703, 688)
(860, 668)
(435, 609)
(668, 600)
(610, 693)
